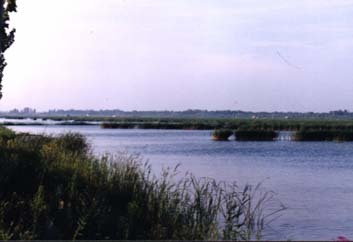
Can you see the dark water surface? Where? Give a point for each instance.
(313, 179)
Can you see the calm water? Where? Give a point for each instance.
(314, 180)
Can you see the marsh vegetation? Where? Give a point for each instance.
(54, 188)
(312, 134)
(244, 129)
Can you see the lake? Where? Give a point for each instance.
(313, 179)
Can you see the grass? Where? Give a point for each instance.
(54, 188)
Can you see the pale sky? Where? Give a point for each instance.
(256, 55)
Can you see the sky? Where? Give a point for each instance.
(268, 55)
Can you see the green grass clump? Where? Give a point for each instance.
(54, 188)
(6, 133)
(255, 135)
(221, 134)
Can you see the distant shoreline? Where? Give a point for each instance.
(182, 123)
(186, 114)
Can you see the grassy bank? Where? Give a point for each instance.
(54, 188)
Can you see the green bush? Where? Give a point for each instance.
(54, 188)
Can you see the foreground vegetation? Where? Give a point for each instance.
(54, 188)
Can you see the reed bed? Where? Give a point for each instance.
(323, 135)
(54, 188)
(233, 124)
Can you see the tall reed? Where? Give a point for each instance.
(54, 188)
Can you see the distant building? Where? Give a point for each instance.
(28, 111)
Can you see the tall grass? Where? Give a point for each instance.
(54, 188)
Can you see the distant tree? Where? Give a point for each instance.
(7, 35)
